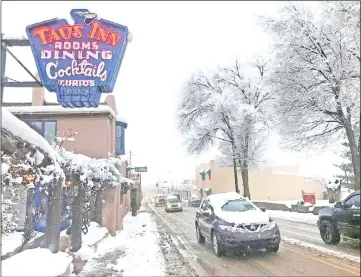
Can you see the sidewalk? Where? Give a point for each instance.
(135, 251)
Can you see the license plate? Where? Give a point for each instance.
(174, 206)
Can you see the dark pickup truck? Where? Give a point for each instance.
(341, 219)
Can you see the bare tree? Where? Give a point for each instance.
(205, 116)
(252, 97)
(316, 75)
(226, 108)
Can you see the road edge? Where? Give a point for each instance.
(200, 267)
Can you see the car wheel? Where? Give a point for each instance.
(273, 248)
(328, 232)
(217, 248)
(200, 237)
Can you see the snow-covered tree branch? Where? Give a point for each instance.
(316, 74)
(227, 108)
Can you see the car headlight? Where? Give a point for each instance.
(225, 226)
(271, 224)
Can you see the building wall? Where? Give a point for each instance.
(95, 138)
(271, 183)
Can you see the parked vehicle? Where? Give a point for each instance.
(341, 219)
(229, 220)
(160, 200)
(195, 201)
(173, 204)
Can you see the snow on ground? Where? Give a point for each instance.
(137, 244)
(12, 241)
(288, 203)
(36, 262)
(94, 235)
(322, 249)
(308, 218)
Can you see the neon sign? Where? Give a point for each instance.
(79, 61)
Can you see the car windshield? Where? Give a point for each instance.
(196, 198)
(238, 205)
(173, 200)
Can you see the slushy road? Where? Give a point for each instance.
(290, 260)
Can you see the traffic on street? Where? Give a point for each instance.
(290, 260)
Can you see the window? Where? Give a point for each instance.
(119, 138)
(354, 201)
(46, 128)
(238, 205)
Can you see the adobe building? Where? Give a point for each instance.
(274, 183)
(94, 132)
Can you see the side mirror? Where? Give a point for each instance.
(206, 213)
(338, 205)
(263, 209)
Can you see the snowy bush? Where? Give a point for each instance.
(13, 172)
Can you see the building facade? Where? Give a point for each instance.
(274, 183)
(94, 132)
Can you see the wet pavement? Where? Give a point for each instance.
(290, 260)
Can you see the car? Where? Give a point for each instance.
(231, 221)
(195, 201)
(177, 195)
(173, 204)
(160, 200)
(341, 219)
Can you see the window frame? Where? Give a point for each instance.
(42, 132)
(119, 149)
(350, 201)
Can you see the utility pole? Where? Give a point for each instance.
(3, 61)
(130, 157)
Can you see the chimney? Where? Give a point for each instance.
(38, 94)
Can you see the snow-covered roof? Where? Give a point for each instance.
(121, 119)
(22, 130)
(58, 110)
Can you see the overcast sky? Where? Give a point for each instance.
(170, 41)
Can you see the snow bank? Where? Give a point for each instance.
(12, 241)
(17, 127)
(138, 243)
(94, 235)
(36, 262)
(322, 249)
(308, 218)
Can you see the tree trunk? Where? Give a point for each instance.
(54, 216)
(76, 220)
(99, 207)
(355, 154)
(246, 192)
(29, 216)
(244, 171)
(235, 174)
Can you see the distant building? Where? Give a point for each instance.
(271, 183)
